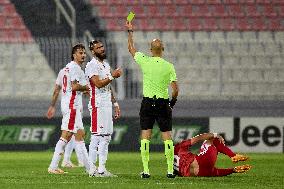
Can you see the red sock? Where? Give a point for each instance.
(221, 172)
(223, 148)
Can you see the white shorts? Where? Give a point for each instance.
(101, 120)
(72, 120)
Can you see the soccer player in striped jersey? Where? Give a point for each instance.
(99, 75)
(73, 84)
(187, 164)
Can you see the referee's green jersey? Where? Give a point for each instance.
(157, 75)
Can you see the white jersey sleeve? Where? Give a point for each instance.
(59, 78)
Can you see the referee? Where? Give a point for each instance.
(158, 74)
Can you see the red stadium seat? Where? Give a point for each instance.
(2, 22)
(198, 2)
(112, 24)
(252, 11)
(16, 23)
(242, 24)
(25, 36)
(281, 11)
(247, 2)
(210, 24)
(162, 24)
(274, 24)
(186, 11)
(120, 11)
(148, 2)
(218, 10)
(145, 24)
(139, 11)
(4, 2)
(268, 10)
(104, 11)
(181, 2)
(230, 1)
(178, 24)
(235, 10)
(154, 11)
(258, 24)
(194, 24)
(213, 2)
(263, 1)
(8, 10)
(226, 24)
(170, 11)
(278, 2)
(201, 10)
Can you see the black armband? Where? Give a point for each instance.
(129, 31)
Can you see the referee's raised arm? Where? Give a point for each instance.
(131, 47)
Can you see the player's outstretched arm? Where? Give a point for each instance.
(51, 110)
(131, 47)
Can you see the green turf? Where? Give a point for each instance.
(29, 170)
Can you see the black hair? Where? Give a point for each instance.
(75, 48)
(92, 44)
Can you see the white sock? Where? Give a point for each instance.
(103, 152)
(58, 152)
(93, 147)
(83, 154)
(69, 149)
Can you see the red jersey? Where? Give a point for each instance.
(183, 158)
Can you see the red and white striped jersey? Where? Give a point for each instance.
(70, 99)
(99, 97)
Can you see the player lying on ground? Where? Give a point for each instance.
(187, 164)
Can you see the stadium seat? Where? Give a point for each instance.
(201, 11)
(178, 24)
(197, 2)
(230, 1)
(218, 37)
(258, 24)
(213, 2)
(210, 24)
(120, 11)
(201, 36)
(170, 11)
(218, 10)
(186, 11)
(8, 10)
(181, 2)
(247, 2)
(139, 11)
(275, 24)
(105, 11)
(194, 24)
(235, 10)
(154, 11)
(265, 36)
(242, 24)
(268, 11)
(226, 24)
(252, 10)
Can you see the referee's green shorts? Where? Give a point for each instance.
(155, 110)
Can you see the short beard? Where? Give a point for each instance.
(101, 56)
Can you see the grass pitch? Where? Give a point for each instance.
(29, 170)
